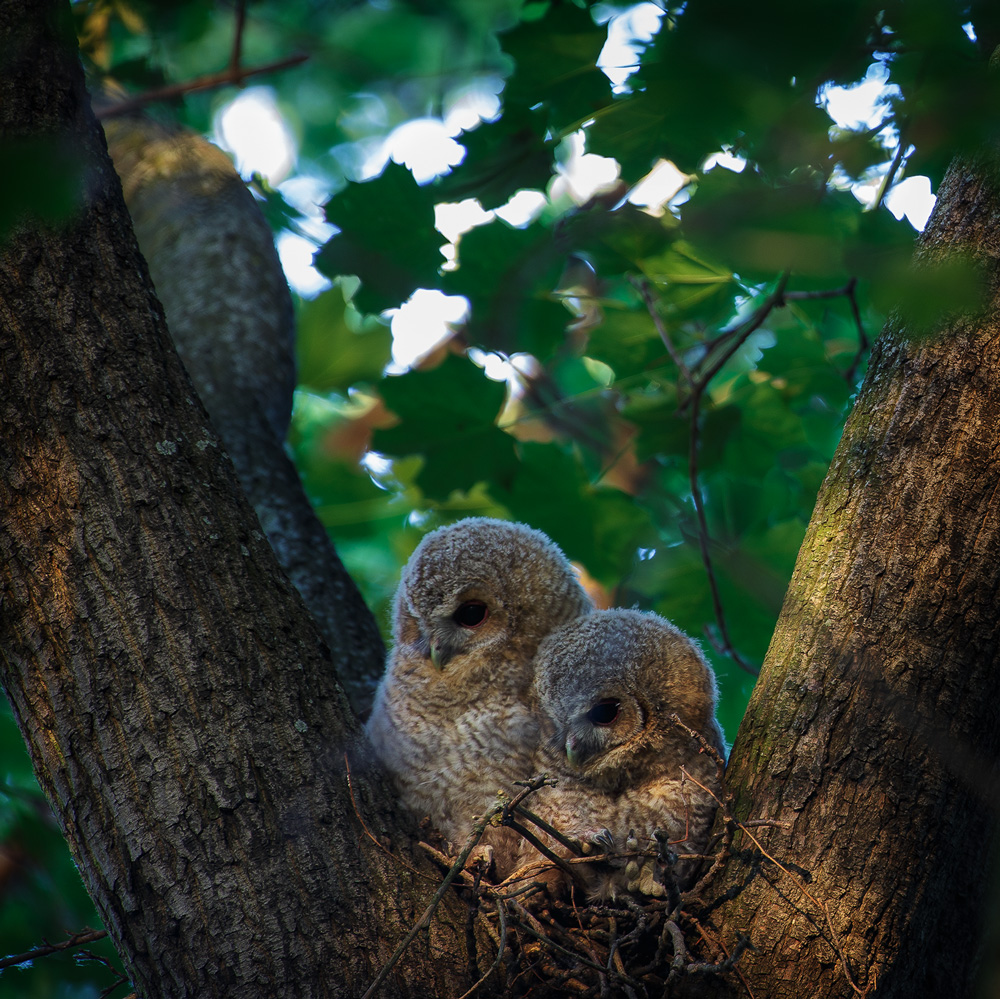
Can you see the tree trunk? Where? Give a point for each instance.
(873, 730)
(179, 705)
(211, 256)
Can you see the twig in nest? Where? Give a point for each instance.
(456, 868)
(545, 827)
(368, 832)
(501, 950)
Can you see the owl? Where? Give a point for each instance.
(603, 690)
(451, 720)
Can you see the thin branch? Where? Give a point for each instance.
(863, 344)
(806, 296)
(890, 176)
(501, 949)
(740, 334)
(530, 837)
(703, 535)
(241, 20)
(642, 286)
(80, 939)
(232, 75)
(551, 830)
(849, 291)
(424, 921)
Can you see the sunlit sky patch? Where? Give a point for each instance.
(628, 32)
(253, 129)
(863, 104)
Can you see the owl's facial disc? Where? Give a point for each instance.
(446, 642)
(604, 725)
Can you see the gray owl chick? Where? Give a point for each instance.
(451, 720)
(604, 686)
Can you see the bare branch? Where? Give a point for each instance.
(704, 540)
(241, 19)
(81, 939)
(234, 75)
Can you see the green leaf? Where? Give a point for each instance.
(337, 347)
(387, 238)
(508, 276)
(627, 341)
(448, 415)
(605, 527)
(502, 157)
(556, 65)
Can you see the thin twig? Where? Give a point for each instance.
(736, 337)
(207, 82)
(368, 832)
(704, 539)
(740, 334)
(642, 286)
(530, 837)
(80, 939)
(496, 961)
(424, 921)
(551, 830)
(890, 176)
(241, 19)
(797, 881)
(849, 291)
(852, 298)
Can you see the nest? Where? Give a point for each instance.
(552, 942)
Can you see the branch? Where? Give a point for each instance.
(80, 939)
(890, 176)
(241, 20)
(704, 539)
(233, 75)
(849, 291)
(740, 334)
(642, 286)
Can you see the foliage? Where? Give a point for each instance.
(720, 335)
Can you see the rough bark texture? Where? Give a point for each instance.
(180, 707)
(213, 262)
(873, 730)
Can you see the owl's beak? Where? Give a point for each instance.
(574, 751)
(439, 656)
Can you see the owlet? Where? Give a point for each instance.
(604, 687)
(451, 720)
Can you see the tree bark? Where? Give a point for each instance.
(873, 731)
(212, 259)
(181, 710)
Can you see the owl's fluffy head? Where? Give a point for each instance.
(605, 685)
(484, 585)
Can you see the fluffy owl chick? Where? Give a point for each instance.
(605, 686)
(451, 720)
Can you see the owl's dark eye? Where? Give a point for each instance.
(471, 614)
(604, 712)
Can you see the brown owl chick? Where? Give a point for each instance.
(451, 720)
(605, 686)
